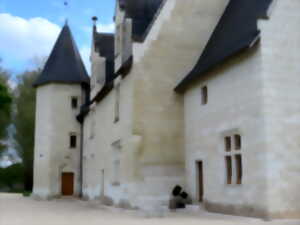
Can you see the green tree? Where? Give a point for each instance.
(12, 176)
(5, 105)
(24, 122)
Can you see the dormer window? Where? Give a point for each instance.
(74, 102)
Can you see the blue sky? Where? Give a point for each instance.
(28, 29)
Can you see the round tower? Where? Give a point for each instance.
(62, 89)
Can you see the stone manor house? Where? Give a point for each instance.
(199, 93)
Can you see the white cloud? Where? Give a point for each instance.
(24, 39)
(106, 28)
(85, 53)
(28, 41)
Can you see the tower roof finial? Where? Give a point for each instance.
(95, 19)
(66, 4)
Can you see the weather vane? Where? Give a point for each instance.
(66, 4)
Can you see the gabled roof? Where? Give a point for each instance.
(104, 43)
(64, 64)
(105, 46)
(236, 30)
(142, 13)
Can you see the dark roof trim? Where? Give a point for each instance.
(104, 92)
(143, 14)
(236, 30)
(104, 44)
(85, 109)
(142, 38)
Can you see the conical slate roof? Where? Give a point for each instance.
(64, 64)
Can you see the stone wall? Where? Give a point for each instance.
(101, 133)
(235, 106)
(55, 121)
(151, 116)
(280, 55)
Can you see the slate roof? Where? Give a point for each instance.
(236, 30)
(64, 64)
(142, 13)
(105, 45)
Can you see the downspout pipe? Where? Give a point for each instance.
(84, 110)
(81, 160)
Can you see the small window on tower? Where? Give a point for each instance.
(204, 97)
(73, 141)
(74, 102)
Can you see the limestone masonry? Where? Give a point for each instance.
(198, 93)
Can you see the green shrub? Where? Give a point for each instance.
(12, 178)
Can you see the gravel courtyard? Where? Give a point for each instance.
(16, 210)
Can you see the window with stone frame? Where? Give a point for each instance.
(233, 159)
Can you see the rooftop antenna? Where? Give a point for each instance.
(95, 19)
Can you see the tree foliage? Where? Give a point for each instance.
(24, 122)
(5, 105)
(12, 176)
